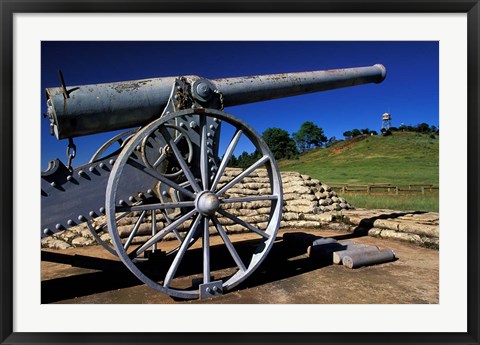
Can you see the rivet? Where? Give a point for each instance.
(122, 202)
(164, 193)
(167, 113)
(215, 288)
(182, 125)
(193, 106)
(111, 161)
(101, 165)
(141, 195)
(215, 119)
(53, 184)
(102, 210)
(208, 290)
(209, 135)
(212, 169)
(82, 218)
(179, 87)
(139, 147)
(149, 191)
(212, 177)
(92, 168)
(69, 177)
(70, 222)
(92, 214)
(47, 231)
(212, 126)
(193, 124)
(58, 226)
(176, 97)
(131, 198)
(81, 173)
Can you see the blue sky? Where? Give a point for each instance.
(409, 93)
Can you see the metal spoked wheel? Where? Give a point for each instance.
(119, 139)
(208, 205)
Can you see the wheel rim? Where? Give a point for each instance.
(206, 204)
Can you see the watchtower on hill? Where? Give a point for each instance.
(386, 122)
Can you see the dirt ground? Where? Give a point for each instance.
(92, 275)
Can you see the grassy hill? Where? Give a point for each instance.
(402, 158)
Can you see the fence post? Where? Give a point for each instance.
(423, 190)
(343, 189)
(368, 189)
(396, 190)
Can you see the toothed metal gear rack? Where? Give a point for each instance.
(170, 166)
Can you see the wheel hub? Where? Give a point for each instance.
(207, 203)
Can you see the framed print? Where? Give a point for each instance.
(434, 49)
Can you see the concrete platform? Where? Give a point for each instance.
(92, 275)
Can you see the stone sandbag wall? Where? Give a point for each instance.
(307, 204)
(420, 228)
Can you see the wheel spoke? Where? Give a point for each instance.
(134, 230)
(206, 252)
(162, 156)
(154, 229)
(244, 174)
(121, 216)
(181, 252)
(204, 155)
(159, 160)
(243, 223)
(156, 206)
(229, 244)
(166, 230)
(186, 170)
(169, 221)
(250, 198)
(156, 175)
(226, 158)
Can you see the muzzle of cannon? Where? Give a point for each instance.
(166, 185)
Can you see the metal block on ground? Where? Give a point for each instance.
(370, 258)
(353, 249)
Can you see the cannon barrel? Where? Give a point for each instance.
(89, 109)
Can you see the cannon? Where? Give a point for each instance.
(166, 186)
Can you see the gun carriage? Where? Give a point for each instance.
(170, 168)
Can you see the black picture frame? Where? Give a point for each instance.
(10, 7)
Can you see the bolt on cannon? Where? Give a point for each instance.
(168, 174)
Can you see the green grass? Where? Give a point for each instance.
(401, 159)
(427, 203)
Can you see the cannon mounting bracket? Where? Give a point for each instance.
(212, 289)
(193, 92)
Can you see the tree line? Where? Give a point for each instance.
(309, 136)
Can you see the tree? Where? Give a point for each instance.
(309, 136)
(355, 133)
(331, 141)
(423, 128)
(347, 134)
(233, 162)
(280, 143)
(365, 131)
(246, 159)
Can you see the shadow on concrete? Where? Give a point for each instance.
(282, 262)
